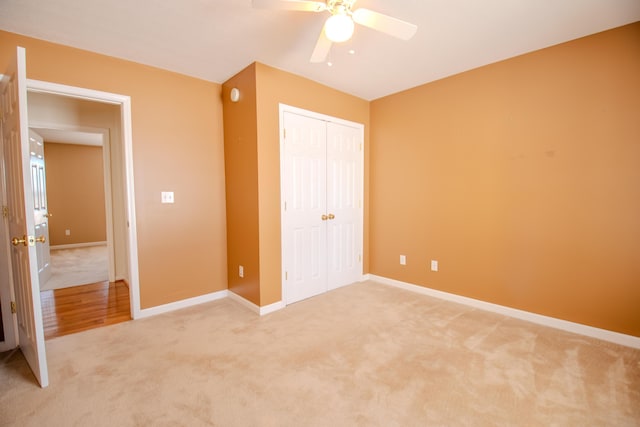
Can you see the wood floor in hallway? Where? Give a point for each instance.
(70, 310)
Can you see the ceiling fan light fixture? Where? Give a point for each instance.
(339, 28)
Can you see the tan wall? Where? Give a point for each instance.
(75, 193)
(253, 134)
(177, 146)
(241, 166)
(522, 179)
(519, 177)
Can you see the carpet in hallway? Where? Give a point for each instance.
(77, 266)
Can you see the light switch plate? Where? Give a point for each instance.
(167, 197)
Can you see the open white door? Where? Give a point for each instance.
(24, 265)
(40, 205)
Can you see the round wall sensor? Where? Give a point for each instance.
(235, 94)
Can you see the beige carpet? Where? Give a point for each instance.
(364, 355)
(77, 266)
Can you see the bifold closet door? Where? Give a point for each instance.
(322, 210)
(305, 183)
(344, 184)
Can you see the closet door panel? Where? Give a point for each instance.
(304, 188)
(344, 204)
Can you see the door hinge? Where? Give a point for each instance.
(359, 258)
(5, 211)
(284, 133)
(286, 275)
(360, 146)
(13, 307)
(285, 206)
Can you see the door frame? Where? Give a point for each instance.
(124, 101)
(284, 108)
(106, 165)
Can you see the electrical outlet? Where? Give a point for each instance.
(403, 260)
(166, 197)
(240, 271)
(434, 265)
(67, 232)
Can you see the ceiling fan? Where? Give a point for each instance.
(340, 25)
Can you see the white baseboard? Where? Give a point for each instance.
(576, 328)
(78, 245)
(256, 308)
(189, 302)
(272, 307)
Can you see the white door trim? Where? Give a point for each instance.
(284, 108)
(124, 102)
(314, 115)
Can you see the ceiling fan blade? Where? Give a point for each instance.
(323, 45)
(300, 5)
(384, 23)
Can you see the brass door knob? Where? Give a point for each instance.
(16, 241)
(48, 215)
(28, 240)
(331, 216)
(324, 217)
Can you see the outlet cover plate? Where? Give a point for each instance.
(167, 197)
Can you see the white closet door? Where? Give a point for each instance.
(322, 212)
(304, 192)
(344, 204)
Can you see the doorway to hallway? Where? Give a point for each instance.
(80, 308)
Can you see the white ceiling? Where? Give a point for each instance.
(214, 39)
